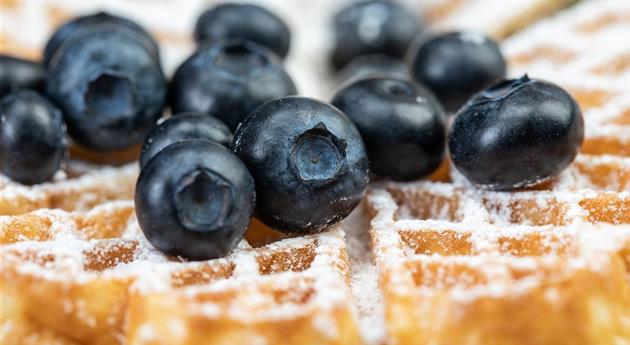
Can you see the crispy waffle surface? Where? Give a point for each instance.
(79, 274)
(545, 266)
(447, 264)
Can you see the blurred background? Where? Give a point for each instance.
(27, 24)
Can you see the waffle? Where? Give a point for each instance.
(581, 50)
(546, 266)
(90, 277)
(78, 187)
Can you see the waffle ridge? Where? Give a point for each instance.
(546, 266)
(91, 278)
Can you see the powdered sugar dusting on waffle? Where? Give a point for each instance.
(570, 248)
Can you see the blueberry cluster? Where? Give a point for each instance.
(100, 81)
(239, 143)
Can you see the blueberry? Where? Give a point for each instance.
(109, 88)
(401, 123)
(308, 161)
(373, 65)
(244, 22)
(32, 144)
(195, 199)
(457, 65)
(184, 126)
(98, 20)
(516, 133)
(228, 80)
(373, 27)
(20, 74)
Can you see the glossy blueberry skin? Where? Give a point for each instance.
(515, 134)
(32, 132)
(373, 65)
(184, 126)
(91, 21)
(373, 27)
(401, 123)
(228, 80)
(232, 21)
(195, 199)
(18, 74)
(109, 88)
(456, 65)
(308, 161)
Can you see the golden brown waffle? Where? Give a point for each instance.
(91, 278)
(547, 266)
(80, 186)
(583, 49)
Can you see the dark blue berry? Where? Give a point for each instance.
(32, 133)
(457, 65)
(228, 80)
(244, 22)
(308, 161)
(371, 66)
(98, 20)
(402, 125)
(516, 133)
(184, 126)
(373, 27)
(194, 199)
(109, 88)
(20, 74)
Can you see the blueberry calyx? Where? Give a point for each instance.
(396, 88)
(318, 155)
(239, 58)
(202, 201)
(501, 90)
(111, 96)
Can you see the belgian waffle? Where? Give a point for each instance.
(546, 266)
(90, 277)
(79, 187)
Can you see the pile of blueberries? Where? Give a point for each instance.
(239, 144)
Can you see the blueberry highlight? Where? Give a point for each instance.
(515, 134)
(195, 199)
(401, 123)
(32, 132)
(232, 21)
(96, 21)
(17, 74)
(228, 80)
(308, 162)
(109, 88)
(182, 127)
(456, 65)
(373, 27)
